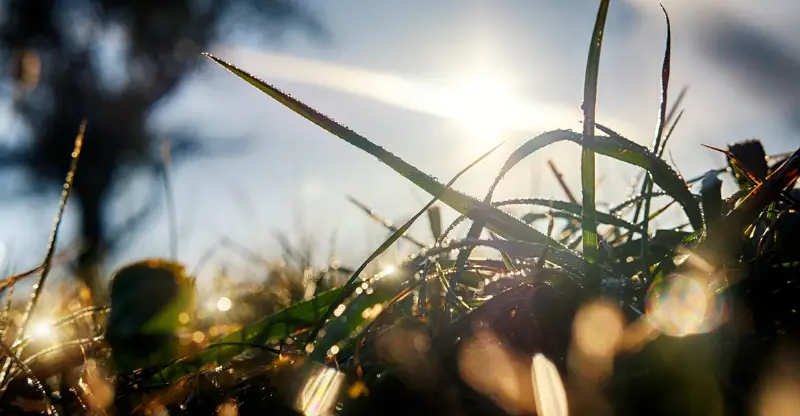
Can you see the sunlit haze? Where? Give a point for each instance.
(436, 83)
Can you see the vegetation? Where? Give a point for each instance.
(685, 320)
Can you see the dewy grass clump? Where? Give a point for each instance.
(639, 321)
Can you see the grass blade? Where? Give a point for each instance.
(498, 221)
(657, 145)
(673, 109)
(660, 172)
(560, 179)
(588, 216)
(383, 221)
(669, 133)
(573, 210)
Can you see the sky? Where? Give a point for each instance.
(438, 84)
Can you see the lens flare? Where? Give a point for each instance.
(320, 392)
(224, 304)
(43, 330)
(681, 305)
(548, 389)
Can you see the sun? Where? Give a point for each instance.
(485, 107)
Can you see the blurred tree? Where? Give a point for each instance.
(56, 62)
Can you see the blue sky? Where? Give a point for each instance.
(381, 54)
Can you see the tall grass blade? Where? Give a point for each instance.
(588, 217)
(662, 120)
(498, 221)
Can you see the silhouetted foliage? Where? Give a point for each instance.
(52, 53)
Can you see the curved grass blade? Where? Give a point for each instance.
(660, 172)
(563, 209)
(588, 215)
(517, 156)
(622, 149)
(477, 226)
(614, 146)
(506, 259)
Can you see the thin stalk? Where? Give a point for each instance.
(51, 248)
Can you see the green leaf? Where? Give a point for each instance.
(588, 216)
(271, 329)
